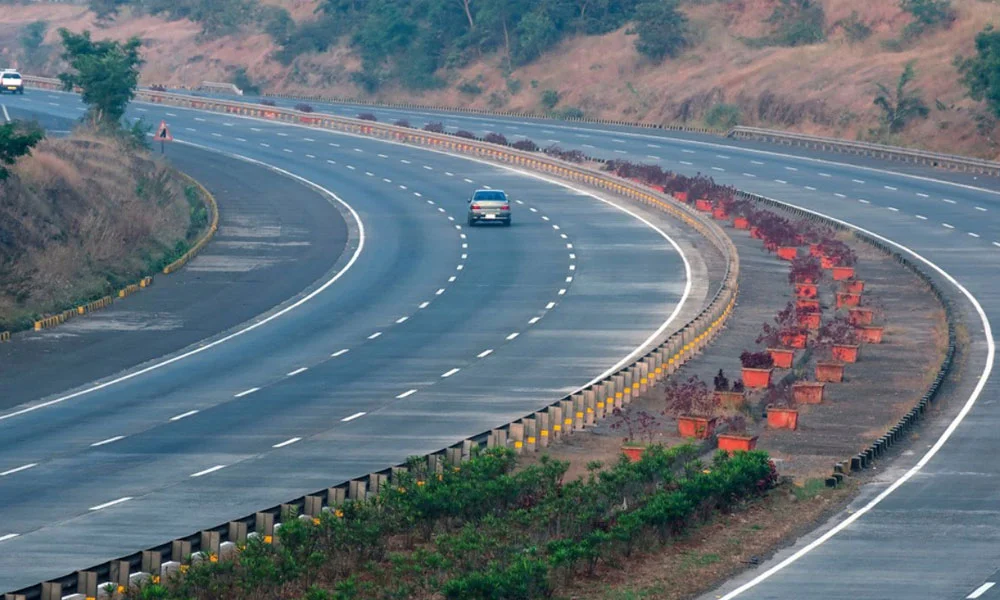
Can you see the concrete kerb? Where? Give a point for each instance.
(562, 418)
(866, 458)
(213, 209)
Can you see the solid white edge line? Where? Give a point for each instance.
(979, 591)
(983, 379)
(209, 470)
(288, 442)
(18, 469)
(112, 503)
(249, 328)
(107, 441)
(184, 415)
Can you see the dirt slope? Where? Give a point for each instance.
(826, 88)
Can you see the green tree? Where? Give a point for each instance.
(15, 142)
(981, 73)
(33, 35)
(927, 15)
(901, 106)
(107, 73)
(105, 10)
(662, 29)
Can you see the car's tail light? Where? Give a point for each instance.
(475, 207)
(505, 207)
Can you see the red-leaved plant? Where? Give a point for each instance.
(640, 426)
(786, 325)
(756, 360)
(805, 269)
(688, 398)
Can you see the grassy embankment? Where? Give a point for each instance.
(83, 216)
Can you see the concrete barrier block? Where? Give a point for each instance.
(453, 456)
(335, 496)
(138, 580)
(556, 417)
(377, 480)
(567, 416)
(227, 551)
(14, 597)
(589, 407)
(169, 569)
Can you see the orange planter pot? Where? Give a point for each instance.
(808, 392)
(788, 252)
(848, 299)
(741, 223)
(729, 399)
(829, 372)
(720, 214)
(782, 358)
(731, 442)
(695, 427)
(634, 453)
(794, 340)
(853, 286)
(755, 233)
(682, 196)
(826, 262)
(810, 320)
(806, 290)
(756, 378)
(703, 205)
(658, 188)
(860, 316)
(806, 303)
(847, 353)
(870, 334)
(843, 273)
(814, 250)
(782, 418)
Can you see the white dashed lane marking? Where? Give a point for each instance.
(352, 417)
(298, 371)
(484, 353)
(247, 392)
(451, 372)
(406, 394)
(110, 440)
(375, 335)
(948, 226)
(340, 353)
(512, 336)
(288, 442)
(110, 504)
(18, 469)
(208, 470)
(184, 415)
(922, 217)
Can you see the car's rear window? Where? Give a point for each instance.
(11, 76)
(499, 196)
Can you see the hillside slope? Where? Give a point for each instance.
(826, 88)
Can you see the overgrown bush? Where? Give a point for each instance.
(549, 99)
(434, 127)
(303, 107)
(462, 133)
(928, 15)
(662, 30)
(367, 116)
(526, 145)
(794, 23)
(496, 138)
(855, 30)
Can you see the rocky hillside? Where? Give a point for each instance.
(806, 65)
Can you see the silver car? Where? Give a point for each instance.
(489, 206)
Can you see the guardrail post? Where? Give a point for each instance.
(516, 431)
(210, 541)
(51, 591)
(453, 456)
(335, 496)
(86, 583)
(566, 407)
(376, 481)
(556, 417)
(643, 375)
(589, 406)
(152, 560)
(530, 434)
(14, 597)
(119, 573)
(180, 550)
(357, 489)
(544, 427)
(577, 400)
(263, 525)
(313, 506)
(468, 448)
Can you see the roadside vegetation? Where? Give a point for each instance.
(85, 215)
(485, 530)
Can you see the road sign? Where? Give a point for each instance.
(163, 133)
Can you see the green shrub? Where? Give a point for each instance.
(855, 29)
(723, 116)
(470, 87)
(928, 15)
(549, 99)
(662, 29)
(794, 23)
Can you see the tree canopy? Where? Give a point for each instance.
(981, 73)
(15, 142)
(106, 71)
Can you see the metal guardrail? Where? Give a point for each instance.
(533, 431)
(229, 88)
(951, 162)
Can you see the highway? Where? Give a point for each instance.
(422, 332)
(935, 534)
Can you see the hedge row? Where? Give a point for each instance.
(482, 530)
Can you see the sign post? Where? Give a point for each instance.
(163, 134)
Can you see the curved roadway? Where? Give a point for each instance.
(424, 332)
(927, 528)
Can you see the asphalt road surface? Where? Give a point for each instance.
(418, 331)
